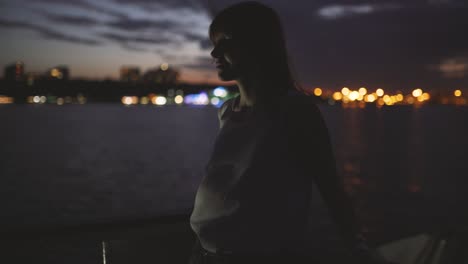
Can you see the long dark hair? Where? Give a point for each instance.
(258, 29)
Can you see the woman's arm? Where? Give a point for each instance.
(316, 156)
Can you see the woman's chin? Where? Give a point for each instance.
(225, 76)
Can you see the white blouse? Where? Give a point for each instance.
(253, 196)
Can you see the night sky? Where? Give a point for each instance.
(393, 44)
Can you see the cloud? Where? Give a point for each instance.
(179, 31)
(192, 4)
(340, 11)
(48, 33)
(83, 4)
(137, 24)
(130, 24)
(201, 63)
(204, 41)
(120, 38)
(133, 48)
(71, 20)
(337, 10)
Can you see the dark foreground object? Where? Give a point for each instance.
(170, 240)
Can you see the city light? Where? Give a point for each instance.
(362, 91)
(56, 73)
(215, 101)
(417, 92)
(410, 100)
(357, 96)
(345, 91)
(144, 100)
(6, 100)
(387, 100)
(317, 91)
(337, 96)
(360, 97)
(164, 66)
(370, 98)
(353, 96)
(127, 100)
(159, 100)
(380, 102)
(220, 92)
(380, 92)
(179, 99)
(425, 96)
(399, 97)
(201, 99)
(197, 99)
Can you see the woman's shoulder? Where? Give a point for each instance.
(225, 107)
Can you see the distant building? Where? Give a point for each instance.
(129, 74)
(161, 75)
(58, 73)
(31, 77)
(14, 72)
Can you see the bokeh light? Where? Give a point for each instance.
(164, 66)
(345, 91)
(220, 92)
(144, 100)
(380, 92)
(127, 100)
(159, 100)
(215, 101)
(417, 92)
(362, 91)
(337, 96)
(354, 95)
(317, 91)
(370, 98)
(179, 99)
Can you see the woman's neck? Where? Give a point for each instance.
(248, 88)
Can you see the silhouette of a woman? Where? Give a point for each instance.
(252, 204)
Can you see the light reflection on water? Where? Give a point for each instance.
(404, 167)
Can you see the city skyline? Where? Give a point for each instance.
(390, 44)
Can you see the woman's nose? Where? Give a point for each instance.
(214, 53)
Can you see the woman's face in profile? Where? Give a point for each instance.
(227, 55)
